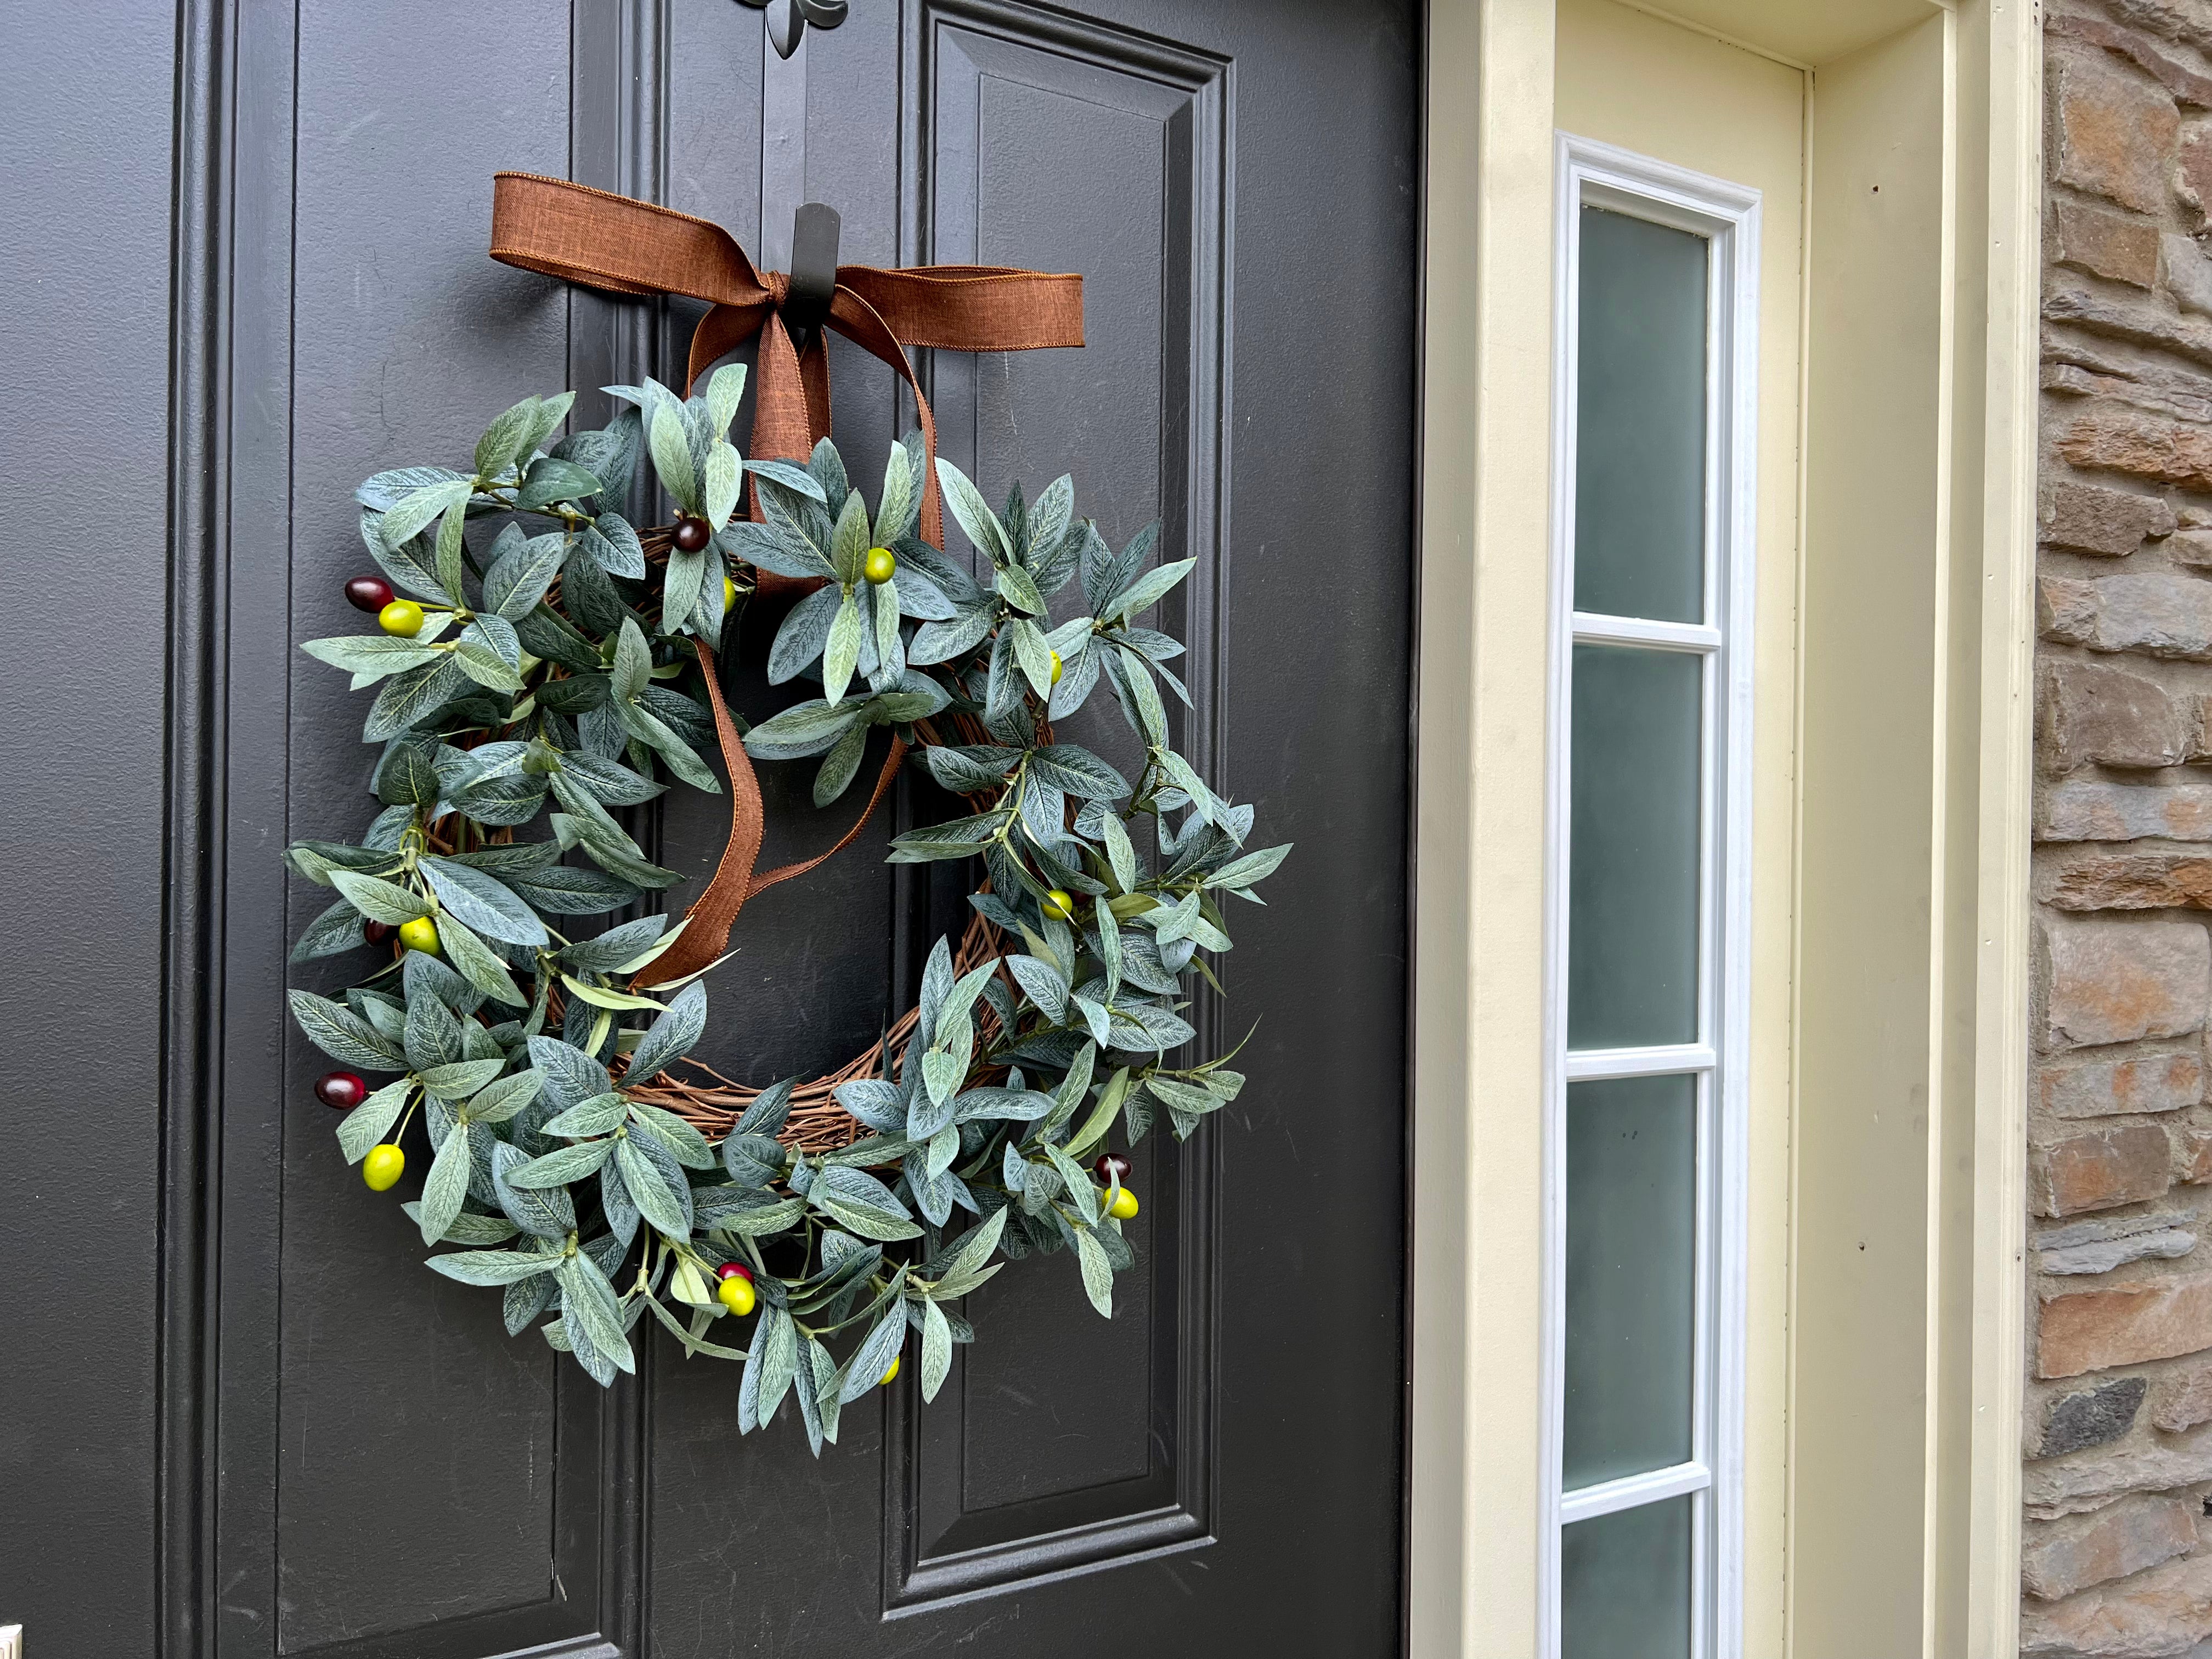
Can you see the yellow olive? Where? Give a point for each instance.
(729, 592)
(1124, 1207)
(892, 1373)
(737, 1294)
(1060, 904)
(382, 1168)
(420, 934)
(1056, 668)
(880, 566)
(403, 618)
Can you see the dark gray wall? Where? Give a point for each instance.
(85, 125)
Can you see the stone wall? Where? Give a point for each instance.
(2117, 1555)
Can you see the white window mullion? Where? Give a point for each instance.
(1638, 1057)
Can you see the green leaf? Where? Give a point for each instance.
(1098, 1272)
(1070, 767)
(865, 1369)
(672, 456)
(447, 555)
(1102, 1115)
(975, 1248)
(407, 774)
(562, 1165)
(726, 390)
(839, 765)
(804, 729)
(551, 479)
(371, 655)
(776, 1346)
(446, 1185)
(367, 1124)
(460, 1077)
(683, 1140)
(1050, 516)
(616, 549)
(973, 514)
(895, 512)
(588, 1303)
(600, 1114)
(842, 652)
(406, 517)
(1034, 655)
(848, 542)
(336, 930)
(1150, 589)
(650, 1190)
(632, 664)
(378, 900)
(765, 1220)
(936, 1342)
(1120, 853)
(474, 960)
(1016, 587)
(484, 902)
(725, 482)
(410, 698)
(679, 587)
(386, 488)
(502, 441)
(670, 1035)
(600, 997)
(493, 1267)
(343, 1034)
(1252, 868)
(518, 578)
(468, 1228)
(501, 1098)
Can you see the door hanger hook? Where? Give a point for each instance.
(813, 287)
(787, 20)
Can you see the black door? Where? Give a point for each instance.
(337, 1452)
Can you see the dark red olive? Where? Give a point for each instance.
(341, 1089)
(692, 534)
(377, 931)
(1111, 1167)
(369, 593)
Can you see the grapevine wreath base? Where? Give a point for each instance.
(542, 666)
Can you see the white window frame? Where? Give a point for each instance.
(1590, 174)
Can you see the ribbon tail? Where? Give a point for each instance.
(786, 871)
(715, 910)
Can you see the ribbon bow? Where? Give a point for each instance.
(624, 246)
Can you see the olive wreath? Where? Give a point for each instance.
(581, 1161)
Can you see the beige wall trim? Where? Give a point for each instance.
(1952, 1340)
(2004, 40)
(1478, 1010)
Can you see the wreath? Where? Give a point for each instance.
(539, 681)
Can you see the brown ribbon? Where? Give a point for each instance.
(624, 246)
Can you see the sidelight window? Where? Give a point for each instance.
(1655, 400)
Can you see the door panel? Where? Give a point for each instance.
(1237, 184)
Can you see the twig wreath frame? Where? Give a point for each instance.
(581, 1163)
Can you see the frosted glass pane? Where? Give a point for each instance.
(1625, 1583)
(1632, 880)
(1632, 1268)
(1640, 438)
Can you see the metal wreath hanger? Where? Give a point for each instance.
(787, 20)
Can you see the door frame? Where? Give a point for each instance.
(1476, 1422)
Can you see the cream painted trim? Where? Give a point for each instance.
(1475, 1434)
(1475, 1473)
(2007, 34)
